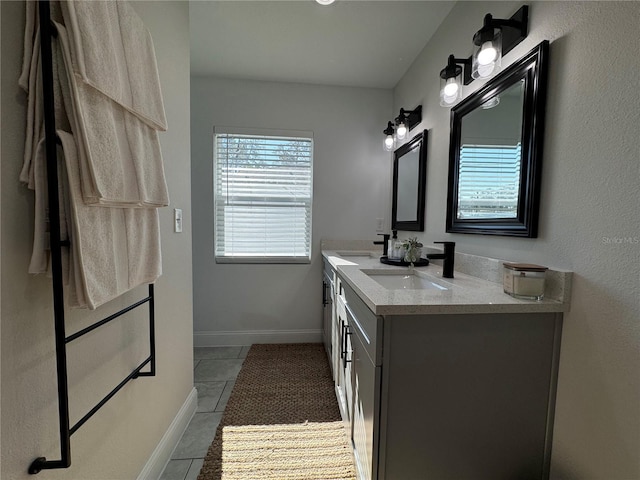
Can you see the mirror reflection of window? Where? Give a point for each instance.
(491, 158)
(408, 174)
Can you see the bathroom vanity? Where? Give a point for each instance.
(442, 378)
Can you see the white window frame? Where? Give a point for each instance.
(219, 198)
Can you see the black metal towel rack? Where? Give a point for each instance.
(47, 31)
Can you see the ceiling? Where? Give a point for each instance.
(355, 43)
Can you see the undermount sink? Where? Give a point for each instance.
(404, 280)
(356, 253)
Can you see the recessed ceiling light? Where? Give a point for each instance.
(325, 2)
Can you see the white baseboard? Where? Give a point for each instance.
(223, 339)
(162, 454)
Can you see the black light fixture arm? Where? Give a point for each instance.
(389, 130)
(514, 29)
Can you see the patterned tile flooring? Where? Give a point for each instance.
(214, 370)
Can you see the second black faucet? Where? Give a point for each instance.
(448, 256)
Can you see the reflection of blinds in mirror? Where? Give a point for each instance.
(488, 181)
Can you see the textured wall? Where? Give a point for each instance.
(351, 183)
(118, 440)
(589, 219)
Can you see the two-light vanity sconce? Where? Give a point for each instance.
(496, 38)
(403, 123)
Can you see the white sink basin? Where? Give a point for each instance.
(402, 280)
(354, 254)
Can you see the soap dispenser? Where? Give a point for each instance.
(394, 252)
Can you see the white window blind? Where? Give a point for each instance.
(489, 179)
(263, 194)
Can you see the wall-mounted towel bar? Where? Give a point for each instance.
(56, 244)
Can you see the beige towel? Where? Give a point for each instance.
(113, 249)
(31, 82)
(30, 30)
(119, 155)
(40, 256)
(112, 51)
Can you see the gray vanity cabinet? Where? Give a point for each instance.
(452, 396)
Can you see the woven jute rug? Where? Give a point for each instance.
(282, 420)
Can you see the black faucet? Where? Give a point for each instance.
(384, 243)
(448, 256)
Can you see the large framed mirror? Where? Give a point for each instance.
(409, 184)
(495, 152)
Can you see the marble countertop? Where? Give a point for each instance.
(463, 294)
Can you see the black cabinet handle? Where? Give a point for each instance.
(345, 360)
(324, 293)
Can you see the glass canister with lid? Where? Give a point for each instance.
(524, 280)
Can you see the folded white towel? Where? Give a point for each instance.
(113, 51)
(30, 29)
(40, 252)
(40, 256)
(113, 249)
(31, 82)
(119, 155)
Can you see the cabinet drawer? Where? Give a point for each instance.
(364, 324)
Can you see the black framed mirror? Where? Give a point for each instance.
(495, 152)
(409, 184)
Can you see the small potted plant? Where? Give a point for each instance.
(413, 250)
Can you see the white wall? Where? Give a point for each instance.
(118, 440)
(589, 221)
(240, 304)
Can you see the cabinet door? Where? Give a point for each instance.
(343, 383)
(347, 364)
(327, 310)
(336, 359)
(366, 382)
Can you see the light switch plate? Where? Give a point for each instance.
(379, 224)
(177, 219)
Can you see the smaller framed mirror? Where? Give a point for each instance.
(409, 184)
(495, 152)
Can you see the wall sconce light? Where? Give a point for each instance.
(404, 122)
(451, 80)
(389, 140)
(496, 38)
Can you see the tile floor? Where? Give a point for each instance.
(214, 370)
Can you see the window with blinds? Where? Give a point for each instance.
(488, 181)
(263, 193)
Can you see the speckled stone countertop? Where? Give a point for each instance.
(465, 293)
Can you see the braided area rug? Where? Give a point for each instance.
(282, 420)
